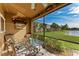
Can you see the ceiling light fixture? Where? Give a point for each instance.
(45, 5)
(33, 6)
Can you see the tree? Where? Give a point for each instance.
(65, 27)
(55, 26)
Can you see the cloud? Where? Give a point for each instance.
(74, 10)
(71, 25)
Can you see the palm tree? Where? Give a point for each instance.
(55, 26)
(65, 27)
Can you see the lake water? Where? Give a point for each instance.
(73, 33)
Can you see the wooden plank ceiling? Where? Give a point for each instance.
(24, 10)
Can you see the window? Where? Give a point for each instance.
(2, 24)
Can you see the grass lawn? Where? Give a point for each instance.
(61, 35)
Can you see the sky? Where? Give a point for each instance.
(66, 15)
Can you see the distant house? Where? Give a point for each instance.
(39, 30)
(48, 26)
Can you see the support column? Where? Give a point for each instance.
(28, 29)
